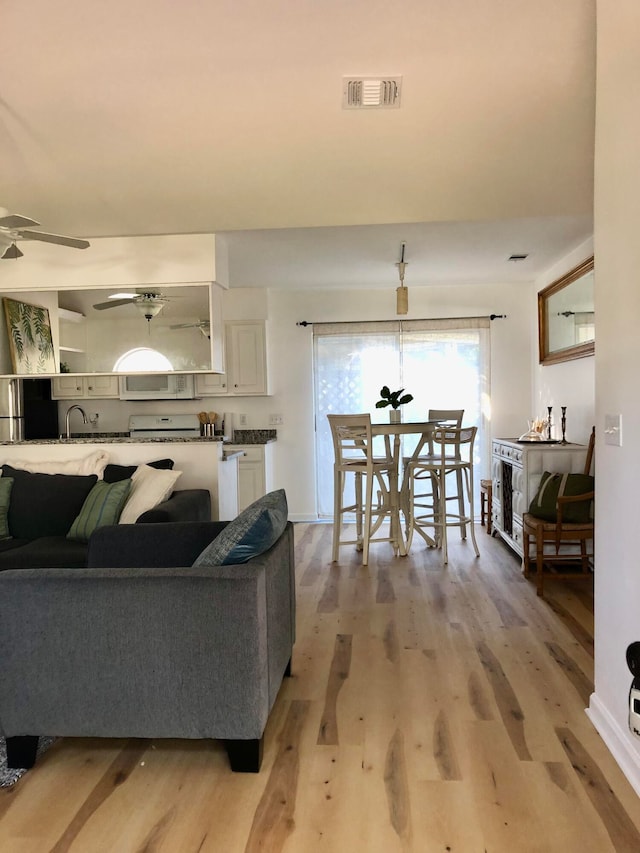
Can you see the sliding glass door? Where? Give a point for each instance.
(443, 363)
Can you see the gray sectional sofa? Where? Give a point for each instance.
(142, 644)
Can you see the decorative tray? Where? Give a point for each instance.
(538, 440)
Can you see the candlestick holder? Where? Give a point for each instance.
(563, 424)
(549, 408)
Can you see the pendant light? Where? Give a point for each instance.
(402, 294)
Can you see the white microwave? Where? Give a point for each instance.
(157, 386)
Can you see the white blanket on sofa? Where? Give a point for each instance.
(94, 463)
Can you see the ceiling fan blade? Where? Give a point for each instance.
(72, 242)
(113, 303)
(14, 220)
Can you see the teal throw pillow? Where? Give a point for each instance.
(5, 493)
(254, 531)
(102, 506)
(553, 486)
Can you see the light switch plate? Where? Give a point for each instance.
(613, 430)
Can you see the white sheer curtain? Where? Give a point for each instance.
(443, 363)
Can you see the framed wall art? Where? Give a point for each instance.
(30, 341)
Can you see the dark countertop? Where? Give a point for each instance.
(240, 436)
(254, 436)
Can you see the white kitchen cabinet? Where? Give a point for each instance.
(65, 387)
(210, 384)
(254, 472)
(516, 470)
(246, 363)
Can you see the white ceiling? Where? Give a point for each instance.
(157, 117)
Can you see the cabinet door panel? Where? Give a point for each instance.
(102, 387)
(248, 362)
(66, 387)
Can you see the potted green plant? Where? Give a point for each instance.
(395, 399)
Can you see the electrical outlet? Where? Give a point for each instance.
(242, 420)
(276, 420)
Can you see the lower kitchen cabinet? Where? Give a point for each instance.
(254, 472)
(67, 387)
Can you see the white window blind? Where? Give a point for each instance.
(443, 363)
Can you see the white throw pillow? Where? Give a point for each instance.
(149, 487)
(94, 463)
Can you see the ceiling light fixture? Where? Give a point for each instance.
(402, 294)
(149, 307)
(12, 252)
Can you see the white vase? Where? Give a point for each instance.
(395, 416)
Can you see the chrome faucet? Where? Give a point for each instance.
(66, 418)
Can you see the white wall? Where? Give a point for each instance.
(617, 301)
(570, 383)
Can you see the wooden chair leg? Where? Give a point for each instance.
(539, 561)
(338, 481)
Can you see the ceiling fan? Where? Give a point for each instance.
(14, 227)
(203, 326)
(148, 302)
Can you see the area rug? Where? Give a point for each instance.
(9, 776)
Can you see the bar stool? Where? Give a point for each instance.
(486, 503)
(453, 454)
(353, 454)
(424, 480)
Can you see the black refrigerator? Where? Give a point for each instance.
(40, 412)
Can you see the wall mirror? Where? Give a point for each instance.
(566, 317)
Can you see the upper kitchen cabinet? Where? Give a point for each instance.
(69, 387)
(246, 363)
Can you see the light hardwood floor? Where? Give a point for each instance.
(430, 709)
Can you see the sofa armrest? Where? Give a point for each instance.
(150, 545)
(183, 505)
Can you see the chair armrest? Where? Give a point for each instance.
(183, 505)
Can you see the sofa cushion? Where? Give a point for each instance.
(115, 473)
(149, 487)
(553, 486)
(6, 484)
(254, 531)
(45, 504)
(49, 552)
(102, 505)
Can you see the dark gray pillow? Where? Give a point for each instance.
(45, 504)
(254, 531)
(116, 473)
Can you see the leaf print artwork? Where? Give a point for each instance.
(30, 341)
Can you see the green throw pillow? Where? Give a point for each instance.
(553, 486)
(5, 493)
(102, 506)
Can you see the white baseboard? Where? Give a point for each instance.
(616, 740)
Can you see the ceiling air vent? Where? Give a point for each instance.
(370, 92)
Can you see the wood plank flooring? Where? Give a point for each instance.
(431, 709)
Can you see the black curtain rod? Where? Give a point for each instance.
(417, 319)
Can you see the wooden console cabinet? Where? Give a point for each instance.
(516, 470)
